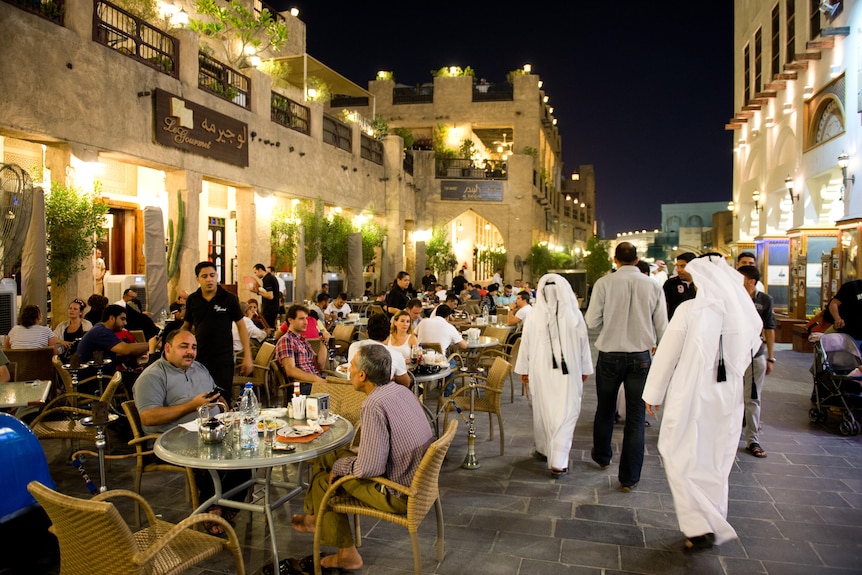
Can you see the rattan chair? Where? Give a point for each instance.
(61, 417)
(509, 352)
(422, 494)
(343, 398)
(94, 539)
(260, 376)
(487, 399)
(32, 363)
(342, 335)
(147, 463)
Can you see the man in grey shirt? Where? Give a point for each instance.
(630, 310)
(170, 390)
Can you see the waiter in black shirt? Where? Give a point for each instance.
(211, 310)
(268, 294)
(397, 298)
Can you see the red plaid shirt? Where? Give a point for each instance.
(296, 347)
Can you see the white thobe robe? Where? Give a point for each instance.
(556, 396)
(701, 418)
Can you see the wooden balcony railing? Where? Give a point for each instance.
(371, 149)
(289, 114)
(223, 81)
(337, 133)
(129, 35)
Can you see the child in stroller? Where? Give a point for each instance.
(837, 381)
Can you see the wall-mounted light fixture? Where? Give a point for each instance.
(843, 162)
(834, 71)
(807, 92)
(756, 197)
(788, 183)
(788, 107)
(770, 121)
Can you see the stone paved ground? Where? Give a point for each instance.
(799, 511)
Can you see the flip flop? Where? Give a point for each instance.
(756, 450)
(214, 528)
(306, 565)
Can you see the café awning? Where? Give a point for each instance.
(304, 66)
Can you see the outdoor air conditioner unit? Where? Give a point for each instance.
(115, 285)
(336, 283)
(289, 289)
(8, 304)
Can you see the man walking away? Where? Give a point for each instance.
(629, 309)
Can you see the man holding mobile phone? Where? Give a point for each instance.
(169, 392)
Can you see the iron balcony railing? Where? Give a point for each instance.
(129, 35)
(417, 95)
(493, 92)
(289, 114)
(342, 101)
(408, 162)
(337, 133)
(52, 10)
(223, 81)
(468, 169)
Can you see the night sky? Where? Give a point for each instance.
(641, 90)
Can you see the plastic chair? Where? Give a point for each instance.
(422, 494)
(94, 538)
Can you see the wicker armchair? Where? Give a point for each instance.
(487, 395)
(146, 463)
(509, 352)
(343, 398)
(94, 539)
(422, 494)
(260, 377)
(61, 417)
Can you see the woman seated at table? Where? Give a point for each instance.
(256, 336)
(29, 333)
(71, 330)
(401, 337)
(253, 314)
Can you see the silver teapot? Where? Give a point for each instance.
(211, 429)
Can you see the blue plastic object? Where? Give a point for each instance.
(22, 460)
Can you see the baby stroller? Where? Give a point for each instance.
(837, 388)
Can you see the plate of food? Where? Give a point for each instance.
(297, 431)
(342, 369)
(276, 423)
(328, 420)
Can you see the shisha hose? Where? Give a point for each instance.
(79, 465)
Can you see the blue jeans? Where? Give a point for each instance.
(630, 370)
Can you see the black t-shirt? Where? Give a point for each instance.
(396, 298)
(428, 282)
(676, 291)
(212, 323)
(850, 308)
(270, 306)
(459, 283)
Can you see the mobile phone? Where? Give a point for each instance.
(213, 393)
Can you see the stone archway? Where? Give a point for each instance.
(478, 243)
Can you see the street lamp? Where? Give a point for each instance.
(843, 162)
(788, 183)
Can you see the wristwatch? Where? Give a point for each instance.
(770, 359)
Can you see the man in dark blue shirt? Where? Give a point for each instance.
(679, 288)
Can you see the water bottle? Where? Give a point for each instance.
(249, 411)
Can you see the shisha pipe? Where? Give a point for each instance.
(470, 461)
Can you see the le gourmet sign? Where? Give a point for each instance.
(193, 128)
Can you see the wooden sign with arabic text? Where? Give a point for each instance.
(472, 190)
(185, 125)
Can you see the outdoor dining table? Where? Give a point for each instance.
(183, 447)
(15, 394)
(475, 347)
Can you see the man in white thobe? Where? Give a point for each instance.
(555, 358)
(697, 373)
